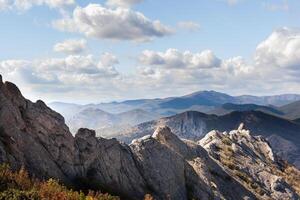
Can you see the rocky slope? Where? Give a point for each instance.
(284, 135)
(34, 136)
(292, 110)
(264, 174)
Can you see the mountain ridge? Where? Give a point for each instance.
(283, 134)
(202, 101)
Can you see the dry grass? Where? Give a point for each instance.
(19, 186)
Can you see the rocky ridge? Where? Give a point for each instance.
(163, 165)
(253, 163)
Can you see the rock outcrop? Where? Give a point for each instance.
(34, 136)
(163, 165)
(282, 134)
(252, 162)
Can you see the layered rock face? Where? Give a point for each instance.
(163, 165)
(34, 136)
(251, 160)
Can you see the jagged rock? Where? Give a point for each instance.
(251, 160)
(34, 136)
(109, 165)
(183, 169)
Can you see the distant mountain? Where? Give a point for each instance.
(92, 118)
(98, 119)
(297, 120)
(292, 110)
(276, 100)
(229, 107)
(203, 98)
(66, 109)
(284, 135)
(202, 101)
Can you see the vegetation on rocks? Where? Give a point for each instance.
(20, 186)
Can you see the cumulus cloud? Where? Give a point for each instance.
(122, 3)
(27, 4)
(60, 70)
(281, 49)
(71, 46)
(173, 58)
(275, 66)
(100, 22)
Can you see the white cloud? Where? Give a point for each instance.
(71, 46)
(99, 22)
(108, 59)
(27, 4)
(188, 25)
(173, 58)
(60, 70)
(281, 49)
(122, 3)
(4, 4)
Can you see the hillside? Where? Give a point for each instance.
(95, 118)
(283, 134)
(292, 110)
(229, 107)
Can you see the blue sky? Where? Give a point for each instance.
(228, 29)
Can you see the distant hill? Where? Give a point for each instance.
(292, 110)
(229, 107)
(95, 118)
(276, 100)
(283, 134)
(202, 101)
(204, 98)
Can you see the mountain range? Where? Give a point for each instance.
(232, 166)
(203, 101)
(109, 119)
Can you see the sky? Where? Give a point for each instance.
(84, 51)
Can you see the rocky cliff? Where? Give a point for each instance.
(161, 164)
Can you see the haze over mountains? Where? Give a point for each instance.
(116, 116)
